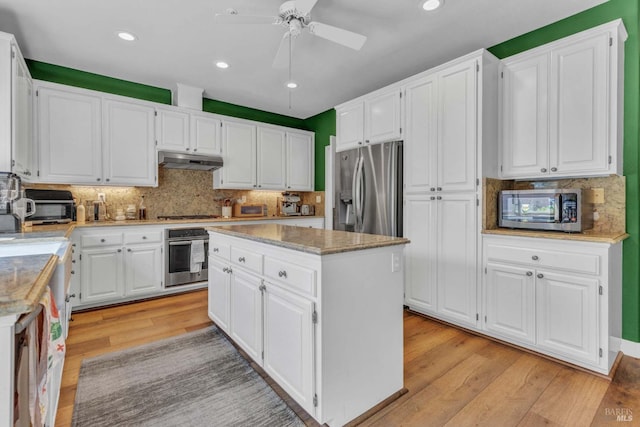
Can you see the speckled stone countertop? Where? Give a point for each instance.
(23, 280)
(585, 236)
(310, 240)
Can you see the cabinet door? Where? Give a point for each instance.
(456, 248)
(101, 271)
(579, 107)
(288, 343)
(350, 126)
(421, 135)
(239, 152)
(70, 137)
(382, 118)
(510, 302)
(246, 313)
(219, 293)
(567, 315)
(271, 150)
(420, 257)
(205, 134)
(143, 269)
(22, 109)
(172, 130)
(300, 162)
(128, 144)
(525, 127)
(457, 132)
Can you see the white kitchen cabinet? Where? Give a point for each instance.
(128, 144)
(372, 119)
(102, 276)
(246, 312)
(265, 157)
(288, 343)
(90, 138)
(558, 297)
(561, 107)
(22, 109)
(69, 131)
(143, 269)
(219, 293)
(179, 130)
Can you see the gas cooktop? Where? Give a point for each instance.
(188, 216)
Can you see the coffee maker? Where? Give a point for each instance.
(289, 204)
(10, 192)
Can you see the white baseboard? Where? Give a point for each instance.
(630, 348)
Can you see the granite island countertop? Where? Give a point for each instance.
(585, 236)
(310, 240)
(23, 280)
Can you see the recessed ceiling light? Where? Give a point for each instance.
(222, 64)
(430, 5)
(292, 85)
(124, 35)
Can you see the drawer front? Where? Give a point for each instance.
(561, 260)
(246, 258)
(220, 250)
(143, 237)
(98, 240)
(291, 275)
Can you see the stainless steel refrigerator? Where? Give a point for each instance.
(368, 189)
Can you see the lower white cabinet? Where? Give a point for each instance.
(143, 268)
(101, 277)
(558, 297)
(246, 311)
(219, 293)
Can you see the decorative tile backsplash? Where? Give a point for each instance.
(611, 213)
(180, 192)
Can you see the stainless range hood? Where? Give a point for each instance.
(171, 160)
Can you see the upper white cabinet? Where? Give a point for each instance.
(183, 131)
(561, 107)
(372, 119)
(265, 157)
(86, 137)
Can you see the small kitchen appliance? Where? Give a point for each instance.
(289, 204)
(546, 209)
(52, 206)
(9, 193)
(241, 210)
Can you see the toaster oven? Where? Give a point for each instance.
(52, 206)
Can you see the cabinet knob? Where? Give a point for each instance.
(119, 250)
(73, 272)
(439, 197)
(194, 150)
(254, 186)
(543, 170)
(540, 275)
(187, 149)
(241, 259)
(107, 179)
(432, 189)
(260, 186)
(439, 189)
(282, 273)
(216, 250)
(98, 179)
(529, 273)
(73, 261)
(367, 141)
(68, 297)
(128, 249)
(359, 142)
(262, 288)
(535, 257)
(229, 270)
(102, 240)
(554, 169)
(433, 197)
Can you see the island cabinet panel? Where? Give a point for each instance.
(219, 294)
(330, 324)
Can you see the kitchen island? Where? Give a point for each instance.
(319, 310)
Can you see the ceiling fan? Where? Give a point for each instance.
(294, 16)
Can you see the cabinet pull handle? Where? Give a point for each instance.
(241, 259)
(529, 273)
(282, 273)
(68, 297)
(543, 170)
(73, 261)
(540, 276)
(535, 257)
(554, 169)
(229, 270)
(262, 288)
(225, 270)
(216, 250)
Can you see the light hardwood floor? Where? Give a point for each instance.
(454, 378)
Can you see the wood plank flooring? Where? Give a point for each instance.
(454, 378)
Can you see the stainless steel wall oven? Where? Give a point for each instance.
(180, 268)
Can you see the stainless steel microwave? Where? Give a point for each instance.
(551, 209)
(52, 206)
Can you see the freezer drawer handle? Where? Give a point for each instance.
(282, 273)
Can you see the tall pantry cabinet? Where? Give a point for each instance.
(450, 143)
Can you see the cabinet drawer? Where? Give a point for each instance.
(561, 260)
(248, 259)
(220, 250)
(101, 240)
(294, 276)
(143, 237)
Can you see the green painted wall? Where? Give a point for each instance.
(324, 125)
(628, 10)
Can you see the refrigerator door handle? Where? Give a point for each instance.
(355, 191)
(358, 195)
(393, 190)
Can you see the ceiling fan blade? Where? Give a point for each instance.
(282, 55)
(235, 18)
(305, 6)
(338, 35)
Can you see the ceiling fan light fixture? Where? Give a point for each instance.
(126, 36)
(430, 5)
(221, 64)
(292, 85)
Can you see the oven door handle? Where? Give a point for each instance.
(188, 242)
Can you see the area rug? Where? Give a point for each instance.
(196, 379)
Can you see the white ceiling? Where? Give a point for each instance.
(179, 41)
